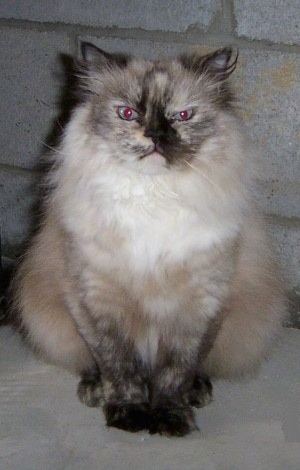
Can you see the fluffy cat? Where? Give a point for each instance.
(151, 273)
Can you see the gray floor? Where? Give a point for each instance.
(249, 426)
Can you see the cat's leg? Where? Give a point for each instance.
(171, 387)
(201, 392)
(127, 402)
(125, 396)
(180, 382)
(171, 411)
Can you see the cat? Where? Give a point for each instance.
(151, 273)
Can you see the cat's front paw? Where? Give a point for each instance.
(172, 421)
(201, 393)
(131, 417)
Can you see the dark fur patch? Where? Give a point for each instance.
(131, 417)
(167, 139)
(201, 393)
(172, 421)
(90, 390)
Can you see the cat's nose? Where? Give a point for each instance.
(154, 134)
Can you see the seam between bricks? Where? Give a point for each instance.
(187, 37)
(18, 170)
(283, 220)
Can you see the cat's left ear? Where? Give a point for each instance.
(218, 64)
(94, 58)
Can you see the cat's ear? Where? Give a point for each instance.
(217, 64)
(220, 63)
(93, 58)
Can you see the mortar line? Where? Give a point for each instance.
(283, 220)
(18, 170)
(191, 36)
(228, 5)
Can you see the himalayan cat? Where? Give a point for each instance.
(151, 273)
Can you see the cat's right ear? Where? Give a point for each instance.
(93, 58)
(218, 65)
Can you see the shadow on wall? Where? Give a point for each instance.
(66, 102)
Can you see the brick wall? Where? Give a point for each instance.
(267, 34)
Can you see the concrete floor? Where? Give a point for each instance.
(249, 426)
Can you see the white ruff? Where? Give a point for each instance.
(157, 221)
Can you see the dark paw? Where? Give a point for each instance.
(90, 391)
(201, 393)
(172, 421)
(131, 417)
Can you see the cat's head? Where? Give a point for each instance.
(154, 116)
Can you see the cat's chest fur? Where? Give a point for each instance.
(155, 219)
(159, 226)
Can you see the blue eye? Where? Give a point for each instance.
(184, 115)
(126, 113)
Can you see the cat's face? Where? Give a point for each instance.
(154, 116)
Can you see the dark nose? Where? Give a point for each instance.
(161, 135)
(154, 134)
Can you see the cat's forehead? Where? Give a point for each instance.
(156, 82)
(151, 74)
(161, 82)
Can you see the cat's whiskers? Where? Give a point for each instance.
(59, 124)
(52, 148)
(202, 174)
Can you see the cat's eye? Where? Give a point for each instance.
(126, 113)
(184, 115)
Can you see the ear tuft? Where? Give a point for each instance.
(95, 58)
(219, 62)
(216, 64)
